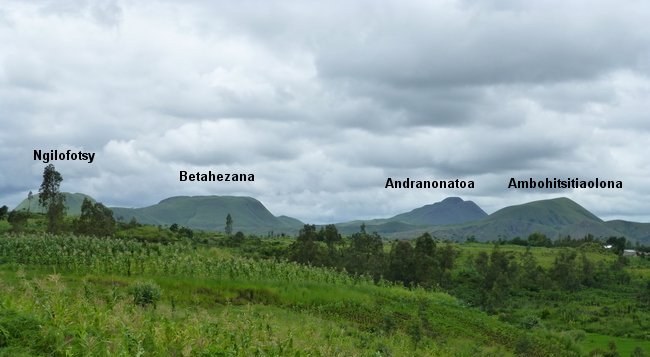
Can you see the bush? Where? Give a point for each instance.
(528, 322)
(524, 346)
(146, 293)
(23, 335)
(18, 220)
(638, 352)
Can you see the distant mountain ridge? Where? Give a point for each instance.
(558, 217)
(452, 218)
(196, 212)
(209, 213)
(451, 210)
(448, 211)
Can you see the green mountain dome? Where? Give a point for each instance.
(554, 218)
(557, 212)
(452, 218)
(209, 213)
(73, 203)
(448, 211)
(451, 210)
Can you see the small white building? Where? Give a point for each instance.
(629, 253)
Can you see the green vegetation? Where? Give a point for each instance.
(95, 219)
(623, 346)
(72, 201)
(558, 217)
(101, 287)
(198, 288)
(51, 198)
(228, 228)
(449, 211)
(452, 210)
(452, 219)
(186, 296)
(146, 293)
(209, 213)
(18, 220)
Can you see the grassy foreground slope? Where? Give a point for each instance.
(71, 296)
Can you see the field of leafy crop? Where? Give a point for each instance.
(75, 296)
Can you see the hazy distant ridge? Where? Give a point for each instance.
(452, 218)
(554, 217)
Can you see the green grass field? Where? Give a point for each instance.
(545, 256)
(624, 346)
(69, 296)
(214, 303)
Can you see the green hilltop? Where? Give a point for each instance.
(554, 217)
(73, 203)
(451, 218)
(196, 212)
(451, 210)
(558, 217)
(209, 213)
(556, 212)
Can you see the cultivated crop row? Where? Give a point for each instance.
(124, 257)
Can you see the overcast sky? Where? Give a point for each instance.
(322, 101)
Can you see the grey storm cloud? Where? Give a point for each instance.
(323, 101)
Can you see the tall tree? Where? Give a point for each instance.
(30, 196)
(331, 236)
(587, 271)
(228, 225)
(446, 257)
(564, 271)
(497, 274)
(3, 212)
(52, 199)
(400, 262)
(365, 255)
(305, 249)
(532, 275)
(425, 264)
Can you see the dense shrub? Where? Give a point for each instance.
(146, 293)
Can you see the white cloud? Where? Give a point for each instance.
(323, 101)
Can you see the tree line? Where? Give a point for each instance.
(536, 239)
(423, 263)
(486, 280)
